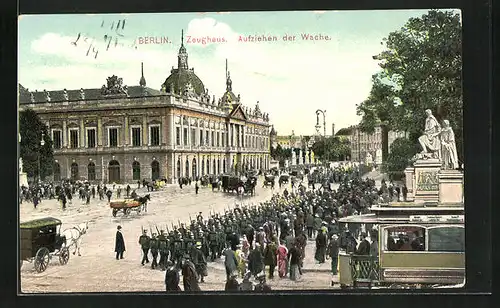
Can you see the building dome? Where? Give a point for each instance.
(181, 80)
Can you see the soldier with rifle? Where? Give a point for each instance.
(213, 240)
(163, 249)
(153, 246)
(144, 242)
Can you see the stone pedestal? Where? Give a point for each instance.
(426, 185)
(451, 184)
(410, 181)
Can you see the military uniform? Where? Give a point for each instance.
(213, 241)
(163, 249)
(153, 246)
(144, 240)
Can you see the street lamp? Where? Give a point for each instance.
(42, 143)
(323, 112)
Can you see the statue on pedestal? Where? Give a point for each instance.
(294, 157)
(308, 159)
(449, 149)
(301, 159)
(429, 141)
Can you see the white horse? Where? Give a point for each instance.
(74, 236)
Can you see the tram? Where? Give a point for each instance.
(420, 245)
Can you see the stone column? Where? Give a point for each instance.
(163, 130)
(64, 135)
(82, 133)
(145, 132)
(99, 132)
(410, 184)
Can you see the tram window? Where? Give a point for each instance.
(405, 238)
(447, 239)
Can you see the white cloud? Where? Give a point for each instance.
(290, 83)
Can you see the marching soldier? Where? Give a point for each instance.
(144, 242)
(163, 248)
(153, 246)
(214, 244)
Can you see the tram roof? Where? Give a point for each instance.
(39, 223)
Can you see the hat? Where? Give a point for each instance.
(119, 227)
(198, 244)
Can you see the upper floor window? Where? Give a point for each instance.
(154, 135)
(91, 138)
(185, 135)
(73, 138)
(136, 136)
(113, 137)
(201, 137)
(193, 137)
(57, 138)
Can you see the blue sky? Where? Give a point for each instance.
(289, 79)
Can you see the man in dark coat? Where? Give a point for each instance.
(172, 278)
(144, 242)
(270, 257)
(119, 243)
(255, 262)
(199, 261)
(364, 246)
(230, 262)
(250, 232)
(320, 246)
(189, 276)
(333, 253)
(310, 225)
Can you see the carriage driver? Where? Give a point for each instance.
(144, 242)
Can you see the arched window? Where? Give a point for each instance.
(136, 171)
(187, 167)
(114, 171)
(214, 169)
(224, 166)
(179, 168)
(91, 171)
(57, 172)
(202, 167)
(74, 171)
(155, 170)
(208, 166)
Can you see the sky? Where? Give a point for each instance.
(290, 79)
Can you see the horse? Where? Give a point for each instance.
(144, 201)
(74, 235)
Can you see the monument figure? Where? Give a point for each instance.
(368, 159)
(301, 158)
(429, 141)
(449, 149)
(294, 157)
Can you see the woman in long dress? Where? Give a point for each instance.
(282, 253)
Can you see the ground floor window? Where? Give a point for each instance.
(136, 171)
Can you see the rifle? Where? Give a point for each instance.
(173, 228)
(190, 220)
(157, 230)
(179, 222)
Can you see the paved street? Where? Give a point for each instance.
(98, 271)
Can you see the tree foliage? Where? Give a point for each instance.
(331, 148)
(32, 129)
(421, 69)
(402, 151)
(280, 154)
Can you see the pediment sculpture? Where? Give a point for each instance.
(32, 97)
(82, 94)
(47, 95)
(114, 85)
(65, 94)
(257, 111)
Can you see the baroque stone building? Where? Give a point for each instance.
(363, 143)
(124, 134)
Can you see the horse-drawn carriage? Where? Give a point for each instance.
(128, 205)
(231, 183)
(40, 241)
(284, 178)
(269, 180)
(249, 185)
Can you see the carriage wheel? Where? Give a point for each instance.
(126, 211)
(42, 259)
(114, 212)
(64, 256)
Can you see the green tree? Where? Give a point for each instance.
(280, 154)
(32, 130)
(402, 151)
(331, 148)
(421, 69)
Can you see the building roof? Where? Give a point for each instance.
(39, 223)
(25, 96)
(181, 80)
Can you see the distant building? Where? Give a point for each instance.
(363, 143)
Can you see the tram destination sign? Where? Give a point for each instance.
(437, 218)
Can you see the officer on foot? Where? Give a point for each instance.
(144, 242)
(162, 244)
